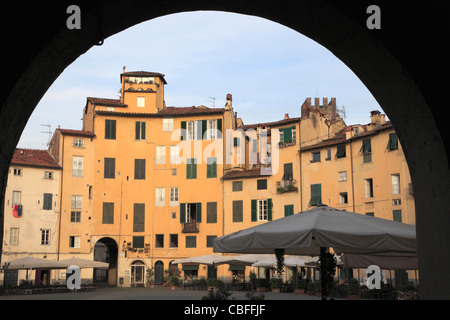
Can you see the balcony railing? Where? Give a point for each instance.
(191, 227)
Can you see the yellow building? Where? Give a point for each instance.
(144, 184)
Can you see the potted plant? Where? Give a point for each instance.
(174, 282)
(275, 284)
(299, 285)
(262, 285)
(252, 277)
(353, 289)
(311, 288)
(150, 281)
(211, 283)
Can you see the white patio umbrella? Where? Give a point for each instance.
(33, 263)
(300, 261)
(84, 263)
(209, 259)
(311, 232)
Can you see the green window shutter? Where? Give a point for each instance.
(198, 212)
(211, 167)
(393, 142)
(198, 123)
(191, 241)
(210, 241)
(191, 168)
(183, 130)
(237, 210)
(219, 128)
(138, 242)
(254, 212)
(137, 130)
(182, 212)
(269, 209)
(397, 215)
(236, 142)
(316, 194)
(139, 217)
(366, 146)
(110, 129)
(211, 212)
(108, 213)
(47, 203)
(287, 135)
(204, 126)
(288, 210)
(143, 130)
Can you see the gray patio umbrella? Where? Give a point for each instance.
(209, 259)
(311, 232)
(33, 263)
(83, 263)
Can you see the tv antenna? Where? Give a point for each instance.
(49, 132)
(213, 101)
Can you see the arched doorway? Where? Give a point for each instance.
(106, 250)
(159, 272)
(137, 273)
(385, 60)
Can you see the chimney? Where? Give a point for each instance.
(228, 104)
(377, 118)
(286, 116)
(124, 67)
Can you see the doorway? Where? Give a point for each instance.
(106, 250)
(137, 273)
(159, 272)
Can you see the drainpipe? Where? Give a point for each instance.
(351, 174)
(61, 195)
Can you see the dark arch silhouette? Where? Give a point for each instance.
(403, 65)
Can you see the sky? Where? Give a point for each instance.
(268, 68)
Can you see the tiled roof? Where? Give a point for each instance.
(242, 174)
(106, 102)
(78, 133)
(173, 111)
(270, 124)
(143, 74)
(34, 158)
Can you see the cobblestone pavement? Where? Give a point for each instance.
(156, 293)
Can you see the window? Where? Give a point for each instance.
(191, 242)
(167, 124)
(110, 129)
(393, 142)
(160, 197)
(141, 102)
(237, 211)
(288, 210)
(173, 240)
(77, 166)
(79, 143)
(342, 176)
(315, 156)
(287, 135)
(261, 184)
(396, 202)
(237, 185)
(108, 213)
(368, 188)
(74, 242)
(45, 237)
(236, 141)
(140, 130)
(48, 175)
(366, 149)
(17, 171)
(211, 212)
(47, 203)
(174, 154)
(261, 210)
(13, 236)
(191, 168)
(340, 152)
(343, 197)
(75, 216)
(370, 214)
(328, 157)
(139, 217)
(316, 194)
(173, 197)
(397, 215)
(210, 241)
(160, 154)
(211, 167)
(211, 129)
(139, 169)
(192, 130)
(16, 197)
(109, 168)
(159, 241)
(395, 183)
(138, 242)
(287, 176)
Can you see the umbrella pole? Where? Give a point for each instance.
(322, 272)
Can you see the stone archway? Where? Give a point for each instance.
(383, 59)
(106, 250)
